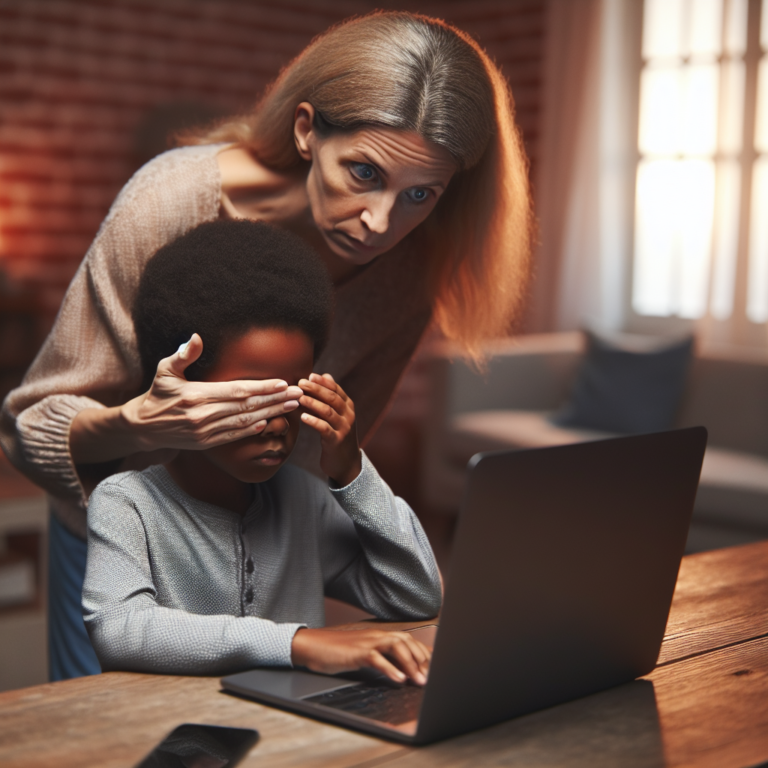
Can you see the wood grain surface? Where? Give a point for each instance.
(721, 598)
(705, 705)
(115, 719)
(713, 708)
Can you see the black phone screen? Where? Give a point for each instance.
(201, 746)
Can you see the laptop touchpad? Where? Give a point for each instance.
(289, 684)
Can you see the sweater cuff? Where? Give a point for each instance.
(367, 474)
(280, 654)
(367, 499)
(44, 432)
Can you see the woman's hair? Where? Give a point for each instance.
(414, 73)
(220, 280)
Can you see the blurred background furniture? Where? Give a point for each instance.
(527, 379)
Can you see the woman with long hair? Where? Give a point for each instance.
(389, 145)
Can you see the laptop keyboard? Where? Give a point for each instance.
(386, 703)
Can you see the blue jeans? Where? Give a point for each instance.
(70, 653)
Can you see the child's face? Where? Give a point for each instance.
(262, 353)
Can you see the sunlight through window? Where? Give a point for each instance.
(690, 139)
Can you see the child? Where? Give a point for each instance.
(220, 559)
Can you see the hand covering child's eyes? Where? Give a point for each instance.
(196, 415)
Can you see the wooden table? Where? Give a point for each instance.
(706, 704)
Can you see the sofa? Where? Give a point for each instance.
(508, 405)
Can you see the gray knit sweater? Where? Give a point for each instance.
(176, 585)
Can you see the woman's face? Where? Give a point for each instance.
(368, 189)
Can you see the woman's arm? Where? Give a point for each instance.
(88, 368)
(89, 359)
(130, 631)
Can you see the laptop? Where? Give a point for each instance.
(563, 568)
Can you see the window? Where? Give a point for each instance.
(701, 199)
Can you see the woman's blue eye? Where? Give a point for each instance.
(363, 171)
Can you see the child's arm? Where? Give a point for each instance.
(390, 569)
(391, 572)
(130, 631)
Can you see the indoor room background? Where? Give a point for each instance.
(646, 127)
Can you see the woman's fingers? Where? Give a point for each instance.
(184, 356)
(244, 411)
(250, 393)
(242, 425)
(195, 415)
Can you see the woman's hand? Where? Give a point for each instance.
(397, 654)
(180, 414)
(332, 413)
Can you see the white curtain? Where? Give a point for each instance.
(587, 167)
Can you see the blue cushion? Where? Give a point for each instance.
(628, 392)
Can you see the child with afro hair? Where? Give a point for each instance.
(220, 559)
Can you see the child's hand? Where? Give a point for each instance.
(332, 414)
(397, 654)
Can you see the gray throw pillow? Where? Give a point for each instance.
(628, 392)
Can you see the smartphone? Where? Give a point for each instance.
(201, 746)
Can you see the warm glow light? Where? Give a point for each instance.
(696, 207)
(761, 122)
(675, 28)
(705, 23)
(757, 287)
(678, 110)
(736, 27)
(764, 26)
(726, 240)
(699, 112)
(654, 239)
(663, 28)
(692, 100)
(732, 107)
(673, 236)
(660, 104)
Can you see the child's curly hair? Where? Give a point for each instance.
(220, 280)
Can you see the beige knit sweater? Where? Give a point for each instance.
(90, 357)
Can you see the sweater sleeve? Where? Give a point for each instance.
(393, 574)
(90, 357)
(130, 631)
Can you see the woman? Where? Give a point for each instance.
(389, 145)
